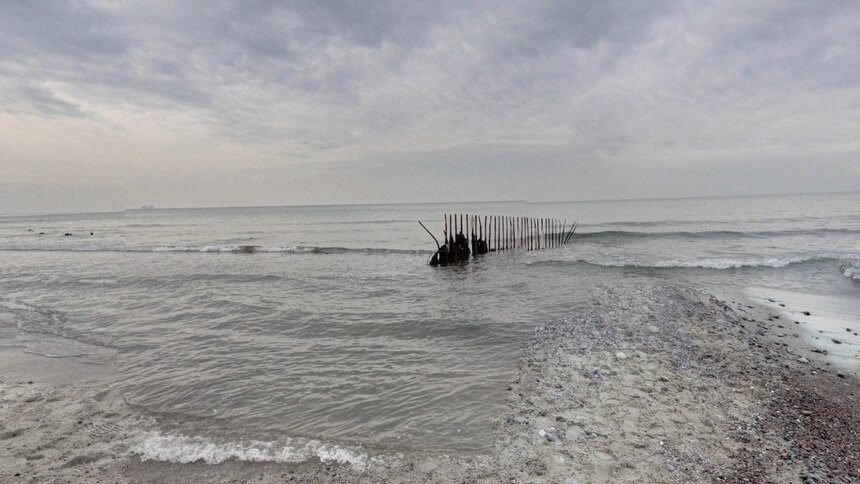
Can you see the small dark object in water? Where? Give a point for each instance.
(67, 234)
(807, 313)
(91, 233)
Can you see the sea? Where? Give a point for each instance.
(283, 333)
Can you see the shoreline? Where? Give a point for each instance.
(657, 383)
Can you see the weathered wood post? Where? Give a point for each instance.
(486, 234)
(531, 239)
(505, 232)
(496, 231)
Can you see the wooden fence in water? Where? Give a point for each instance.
(466, 236)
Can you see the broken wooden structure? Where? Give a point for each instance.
(466, 236)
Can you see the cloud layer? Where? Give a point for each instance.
(109, 104)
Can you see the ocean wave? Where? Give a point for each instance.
(32, 319)
(226, 249)
(181, 449)
(723, 264)
(706, 263)
(681, 222)
(251, 249)
(16, 306)
(357, 222)
(708, 234)
(851, 269)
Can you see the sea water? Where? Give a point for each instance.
(279, 333)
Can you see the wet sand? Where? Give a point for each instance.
(18, 366)
(652, 383)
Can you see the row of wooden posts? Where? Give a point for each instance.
(468, 235)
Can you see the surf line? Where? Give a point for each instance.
(466, 236)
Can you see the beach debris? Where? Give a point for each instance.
(621, 355)
(549, 434)
(466, 236)
(803, 360)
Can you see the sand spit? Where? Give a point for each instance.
(651, 384)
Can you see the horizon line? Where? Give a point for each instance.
(354, 204)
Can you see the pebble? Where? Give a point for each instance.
(840, 374)
(621, 355)
(803, 360)
(653, 328)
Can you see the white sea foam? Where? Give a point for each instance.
(16, 306)
(242, 249)
(153, 445)
(709, 263)
(774, 262)
(851, 269)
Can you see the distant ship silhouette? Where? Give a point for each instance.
(145, 207)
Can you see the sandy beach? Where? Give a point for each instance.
(652, 383)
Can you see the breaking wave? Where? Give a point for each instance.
(16, 306)
(717, 263)
(850, 269)
(229, 249)
(706, 234)
(33, 319)
(181, 449)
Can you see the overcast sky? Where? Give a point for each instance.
(109, 104)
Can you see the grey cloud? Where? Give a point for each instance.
(35, 99)
(520, 87)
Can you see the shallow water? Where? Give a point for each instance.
(334, 328)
